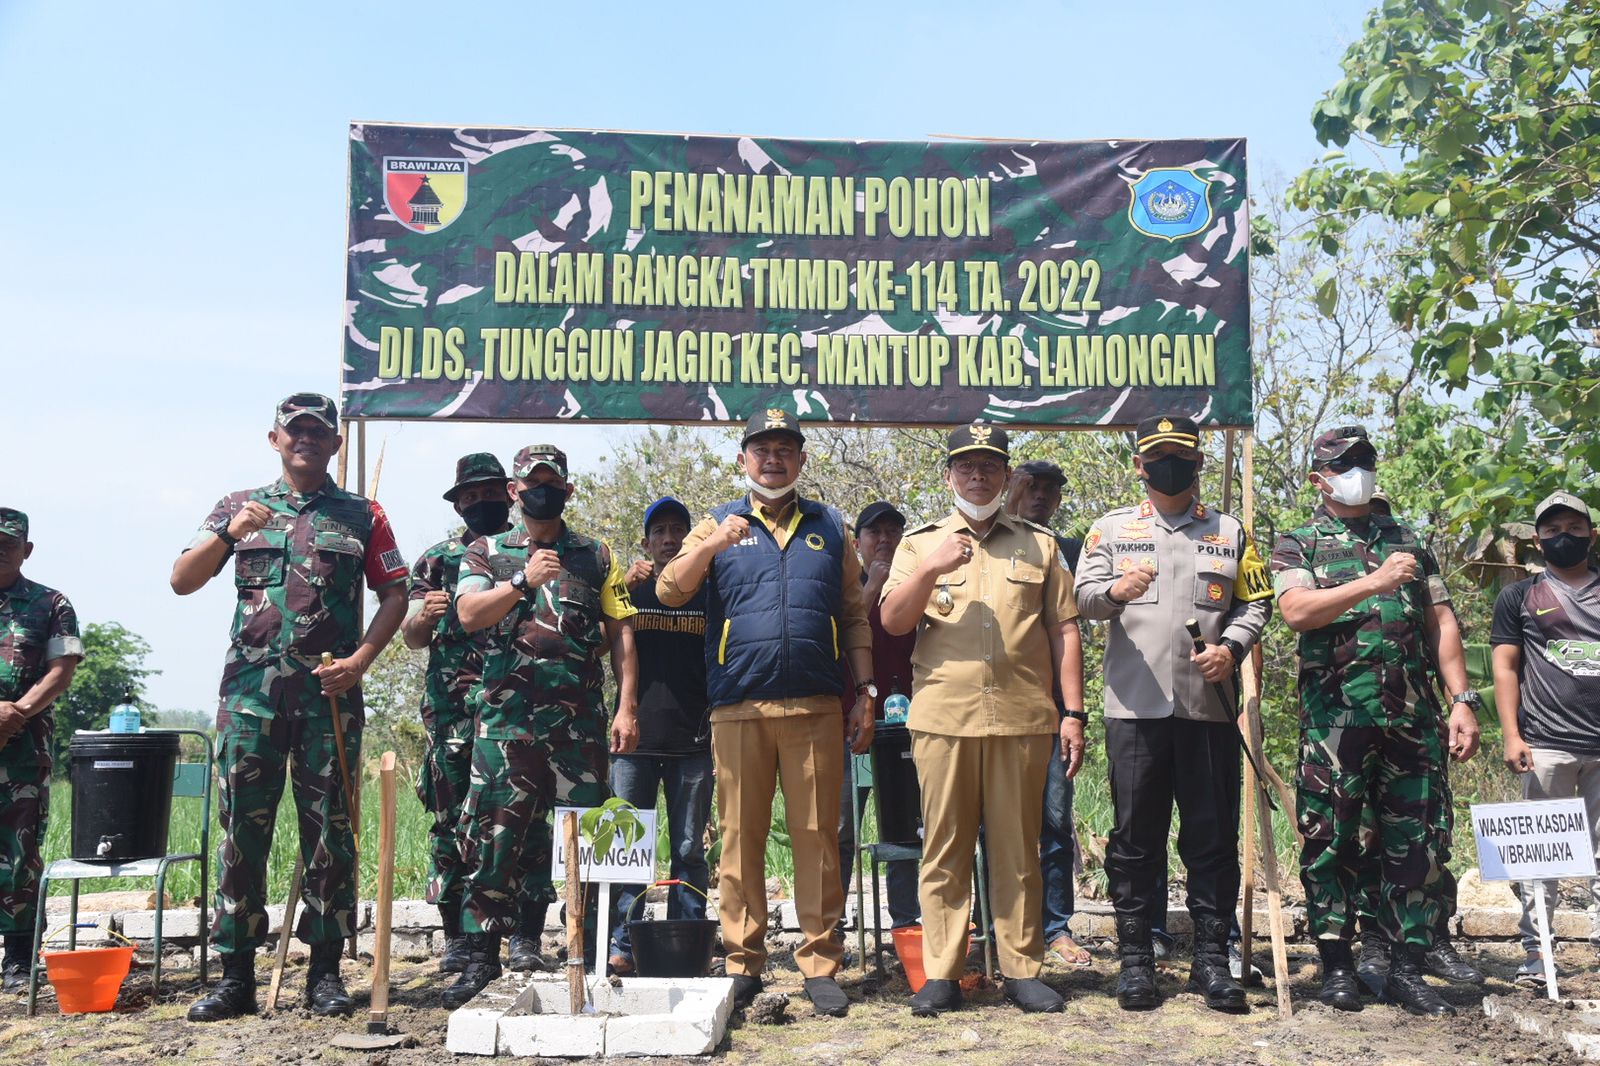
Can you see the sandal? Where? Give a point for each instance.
(1071, 953)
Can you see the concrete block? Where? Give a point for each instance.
(473, 1031)
(414, 914)
(178, 922)
(563, 1035)
(1571, 925)
(1498, 922)
(403, 943)
(781, 914)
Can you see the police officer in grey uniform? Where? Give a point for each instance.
(1147, 570)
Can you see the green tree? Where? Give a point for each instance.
(113, 665)
(1483, 115)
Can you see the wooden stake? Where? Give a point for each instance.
(575, 968)
(286, 929)
(378, 1017)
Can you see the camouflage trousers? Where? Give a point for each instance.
(254, 756)
(1443, 890)
(514, 785)
(442, 787)
(1343, 772)
(24, 817)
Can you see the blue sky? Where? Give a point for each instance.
(175, 226)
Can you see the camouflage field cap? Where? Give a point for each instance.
(1044, 470)
(1555, 501)
(535, 455)
(1337, 443)
(13, 523)
(979, 438)
(312, 404)
(773, 420)
(1166, 429)
(475, 469)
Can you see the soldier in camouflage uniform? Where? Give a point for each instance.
(1369, 605)
(455, 667)
(39, 650)
(552, 600)
(301, 549)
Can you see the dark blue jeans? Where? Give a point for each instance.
(905, 907)
(1057, 847)
(686, 780)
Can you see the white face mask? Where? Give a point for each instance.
(1353, 488)
(771, 495)
(978, 512)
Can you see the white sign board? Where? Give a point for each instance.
(1533, 840)
(620, 866)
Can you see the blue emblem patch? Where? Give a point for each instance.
(1170, 203)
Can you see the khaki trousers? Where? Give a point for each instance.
(968, 782)
(752, 755)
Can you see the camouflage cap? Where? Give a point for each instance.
(1555, 501)
(1166, 429)
(13, 523)
(978, 438)
(773, 420)
(1335, 443)
(535, 455)
(474, 469)
(312, 404)
(1044, 470)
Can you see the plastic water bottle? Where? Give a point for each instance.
(895, 708)
(125, 716)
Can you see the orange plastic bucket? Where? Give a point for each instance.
(908, 946)
(87, 981)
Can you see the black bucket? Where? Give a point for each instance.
(894, 786)
(121, 794)
(673, 947)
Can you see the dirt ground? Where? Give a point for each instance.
(879, 1029)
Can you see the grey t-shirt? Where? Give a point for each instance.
(1558, 629)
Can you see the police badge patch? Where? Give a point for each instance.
(1170, 203)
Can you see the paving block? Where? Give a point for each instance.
(403, 943)
(177, 922)
(473, 1030)
(414, 914)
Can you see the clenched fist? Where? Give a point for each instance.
(434, 605)
(1396, 570)
(1133, 584)
(640, 572)
(251, 517)
(544, 565)
(952, 553)
(733, 529)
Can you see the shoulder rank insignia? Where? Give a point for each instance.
(1146, 509)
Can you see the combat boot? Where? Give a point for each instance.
(14, 970)
(234, 995)
(1444, 961)
(454, 959)
(522, 953)
(483, 966)
(325, 993)
(1136, 984)
(1372, 965)
(1339, 987)
(1406, 987)
(1209, 975)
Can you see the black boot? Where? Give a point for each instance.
(1339, 988)
(325, 993)
(1372, 965)
(14, 970)
(234, 995)
(1406, 987)
(1209, 975)
(1136, 984)
(522, 953)
(454, 959)
(935, 997)
(483, 966)
(1442, 961)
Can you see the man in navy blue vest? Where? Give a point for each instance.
(783, 606)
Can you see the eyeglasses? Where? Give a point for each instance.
(1342, 465)
(986, 467)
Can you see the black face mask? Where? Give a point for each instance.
(543, 502)
(486, 516)
(1170, 475)
(1564, 549)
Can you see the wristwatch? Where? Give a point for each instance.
(1470, 698)
(519, 581)
(1235, 647)
(1082, 716)
(869, 687)
(227, 538)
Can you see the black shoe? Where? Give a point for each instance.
(325, 993)
(1372, 964)
(1406, 987)
(1444, 961)
(1136, 984)
(935, 998)
(454, 959)
(1340, 990)
(234, 995)
(827, 997)
(14, 970)
(1209, 974)
(746, 986)
(483, 966)
(1033, 995)
(522, 954)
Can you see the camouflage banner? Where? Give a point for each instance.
(536, 275)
